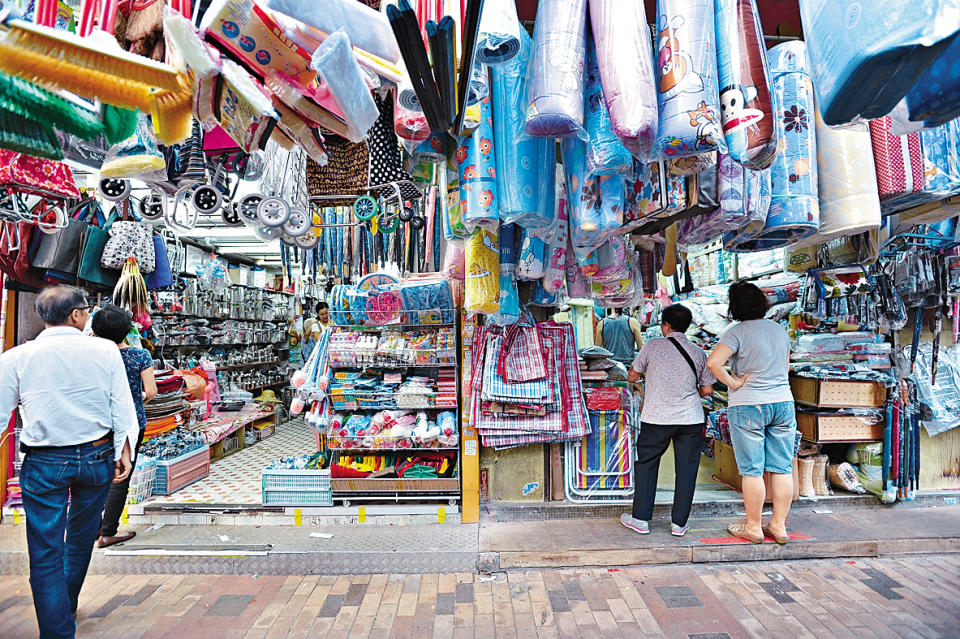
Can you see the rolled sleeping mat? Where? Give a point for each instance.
(409, 122)
(746, 104)
(525, 166)
(596, 202)
(626, 71)
(509, 311)
(794, 212)
(847, 182)
(498, 40)
(479, 202)
(606, 155)
(687, 97)
(555, 105)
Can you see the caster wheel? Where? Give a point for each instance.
(247, 207)
(346, 503)
(298, 224)
(268, 233)
(364, 208)
(151, 207)
(231, 214)
(288, 240)
(405, 215)
(114, 190)
(417, 223)
(206, 199)
(273, 211)
(308, 240)
(388, 226)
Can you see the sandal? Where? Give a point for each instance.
(780, 540)
(103, 542)
(739, 530)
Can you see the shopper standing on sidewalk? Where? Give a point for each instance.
(763, 425)
(79, 428)
(676, 378)
(114, 324)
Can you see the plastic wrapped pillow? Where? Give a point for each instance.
(136, 157)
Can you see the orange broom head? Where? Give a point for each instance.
(173, 115)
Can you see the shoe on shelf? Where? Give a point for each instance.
(636, 525)
(679, 531)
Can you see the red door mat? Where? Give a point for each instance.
(713, 541)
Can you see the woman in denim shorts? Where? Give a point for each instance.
(763, 426)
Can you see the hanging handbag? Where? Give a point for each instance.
(14, 239)
(129, 238)
(95, 240)
(162, 276)
(60, 251)
(36, 176)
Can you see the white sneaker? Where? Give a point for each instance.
(678, 531)
(636, 525)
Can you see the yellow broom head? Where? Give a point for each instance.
(173, 115)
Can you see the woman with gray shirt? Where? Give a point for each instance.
(763, 426)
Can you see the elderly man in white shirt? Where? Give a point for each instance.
(79, 428)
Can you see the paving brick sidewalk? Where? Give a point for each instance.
(904, 597)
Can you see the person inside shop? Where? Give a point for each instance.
(323, 315)
(114, 324)
(676, 377)
(620, 334)
(79, 433)
(311, 336)
(763, 425)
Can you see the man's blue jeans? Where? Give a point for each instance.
(60, 540)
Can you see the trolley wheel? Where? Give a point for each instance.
(206, 199)
(405, 214)
(308, 240)
(365, 207)
(417, 223)
(247, 207)
(231, 214)
(151, 207)
(115, 190)
(452, 502)
(273, 211)
(289, 240)
(298, 224)
(389, 225)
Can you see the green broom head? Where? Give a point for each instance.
(22, 135)
(47, 108)
(118, 124)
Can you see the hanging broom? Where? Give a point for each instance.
(24, 135)
(42, 106)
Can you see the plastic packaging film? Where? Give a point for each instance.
(531, 264)
(596, 202)
(935, 98)
(758, 195)
(606, 155)
(864, 57)
(556, 257)
(687, 78)
(794, 212)
(626, 70)
(509, 311)
(453, 226)
(478, 174)
(556, 82)
(454, 260)
(498, 40)
(525, 165)
(482, 261)
(941, 159)
(409, 122)
(335, 63)
(746, 105)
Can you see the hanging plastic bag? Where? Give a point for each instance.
(596, 202)
(531, 264)
(606, 155)
(136, 157)
(335, 62)
(482, 260)
(556, 257)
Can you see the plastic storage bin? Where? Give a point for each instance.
(287, 487)
(174, 474)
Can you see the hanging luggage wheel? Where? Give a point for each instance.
(388, 226)
(115, 190)
(365, 207)
(298, 224)
(417, 223)
(151, 207)
(268, 233)
(308, 240)
(231, 214)
(273, 211)
(405, 214)
(248, 206)
(289, 240)
(206, 199)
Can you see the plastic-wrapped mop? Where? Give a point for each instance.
(606, 155)
(687, 78)
(746, 104)
(525, 165)
(482, 260)
(556, 82)
(479, 204)
(626, 70)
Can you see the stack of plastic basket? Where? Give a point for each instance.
(141, 481)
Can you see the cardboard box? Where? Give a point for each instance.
(513, 475)
(726, 471)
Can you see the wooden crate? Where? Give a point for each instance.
(837, 393)
(828, 428)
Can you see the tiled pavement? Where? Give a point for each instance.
(906, 597)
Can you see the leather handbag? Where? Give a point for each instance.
(95, 240)
(162, 276)
(60, 251)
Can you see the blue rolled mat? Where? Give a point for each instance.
(596, 202)
(935, 98)
(526, 174)
(479, 203)
(556, 90)
(509, 311)
(606, 155)
(686, 58)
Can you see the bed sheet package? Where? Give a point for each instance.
(531, 262)
(555, 101)
(758, 193)
(687, 78)
(644, 195)
(935, 98)
(794, 211)
(454, 260)
(730, 215)
(479, 202)
(482, 285)
(606, 155)
(626, 70)
(525, 166)
(746, 103)
(864, 57)
(898, 160)
(596, 202)
(499, 35)
(847, 182)
(555, 263)
(941, 160)
(577, 285)
(428, 301)
(509, 311)
(336, 64)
